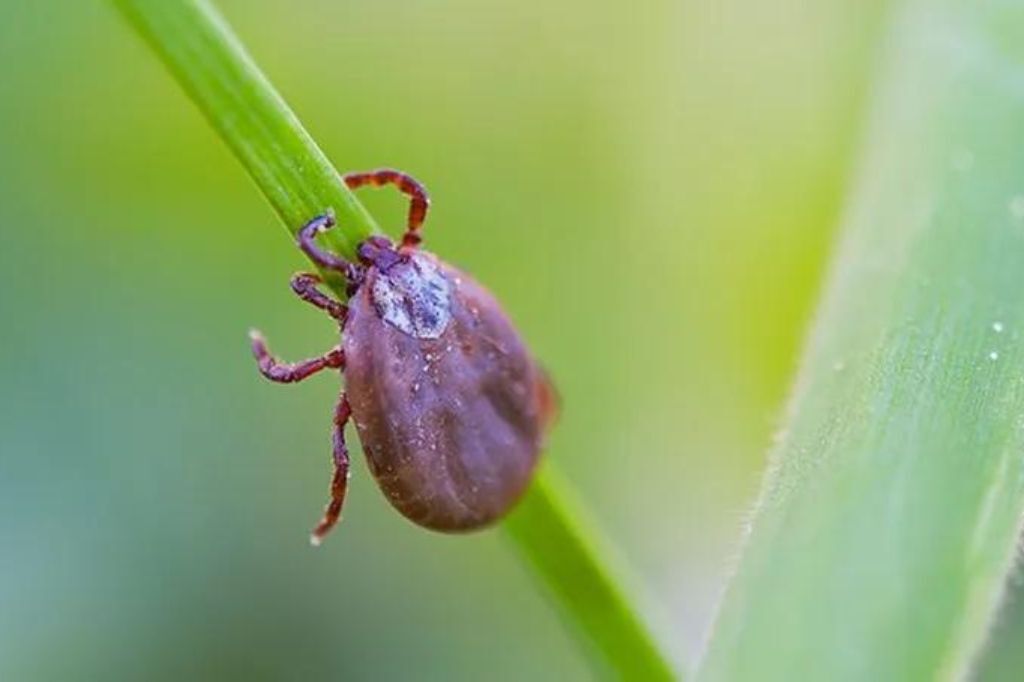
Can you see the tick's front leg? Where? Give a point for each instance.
(286, 372)
(419, 200)
(306, 240)
(339, 482)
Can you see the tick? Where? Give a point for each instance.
(448, 403)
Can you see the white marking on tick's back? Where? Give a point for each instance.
(414, 297)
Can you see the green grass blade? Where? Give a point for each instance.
(299, 181)
(891, 511)
(214, 68)
(551, 531)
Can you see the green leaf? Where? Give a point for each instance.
(891, 511)
(551, 530)
(300, 183)
(293, 173)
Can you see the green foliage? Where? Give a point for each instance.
(298, 180)
(550, 530)
(211, 64)
(891, 512)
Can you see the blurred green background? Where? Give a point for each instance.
(650, 188)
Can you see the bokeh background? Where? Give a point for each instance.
(651, 188)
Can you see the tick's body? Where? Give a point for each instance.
(449, 405)
(449, 408)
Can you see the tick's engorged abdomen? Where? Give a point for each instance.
(451, 425)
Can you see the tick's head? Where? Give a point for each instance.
(380, 253)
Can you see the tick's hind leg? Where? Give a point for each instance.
(339, 482)
(287, 372)
(419, 201)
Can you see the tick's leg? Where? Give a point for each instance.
(419, 202)
(339, 482)
(285, 372)
(306, 238)
(304, 284)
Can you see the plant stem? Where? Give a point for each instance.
(300, 183)
(212, 65)
(891, 512)
(551, 530)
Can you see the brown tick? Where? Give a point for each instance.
(449, 405)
